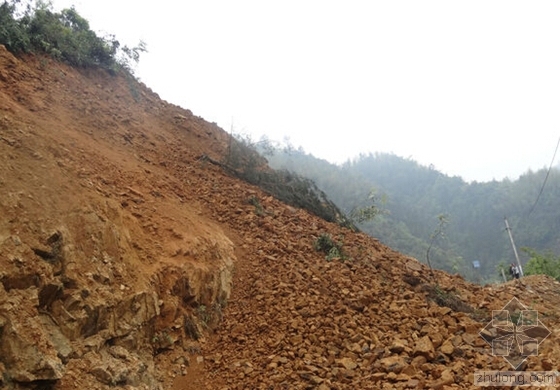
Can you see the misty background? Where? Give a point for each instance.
(468, 87)
(411, 198)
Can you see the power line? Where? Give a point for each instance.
(536, 201)
(545, 179)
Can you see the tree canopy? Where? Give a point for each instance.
(65, 36)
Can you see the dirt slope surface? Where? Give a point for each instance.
(128, 259)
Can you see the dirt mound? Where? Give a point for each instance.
(127, 259)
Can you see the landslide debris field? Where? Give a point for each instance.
(130, 259)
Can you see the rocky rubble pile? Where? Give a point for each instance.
(372, 320)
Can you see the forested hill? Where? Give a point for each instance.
(412, 197)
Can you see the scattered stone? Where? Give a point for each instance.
(425, 348)
(119, 352)
(547, 365)
(447, 347)
(398, 346)
(447, 378)
(393, 364)
(103, 375)
(347, 363)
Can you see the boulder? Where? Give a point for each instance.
(28, 355)
(393, 363)
(424, 347)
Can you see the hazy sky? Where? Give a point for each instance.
(472, 87)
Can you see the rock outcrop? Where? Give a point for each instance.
(102, 264)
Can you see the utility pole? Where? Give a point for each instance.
(514, 249)
(228, 157)
(503, 275)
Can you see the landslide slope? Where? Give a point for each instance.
(129, 260)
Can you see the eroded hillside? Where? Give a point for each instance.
(129, 260)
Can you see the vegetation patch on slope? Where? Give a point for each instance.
(65, 36)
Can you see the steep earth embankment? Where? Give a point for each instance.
(127, 259)
(106, 253)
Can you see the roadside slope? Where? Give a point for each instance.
(128, 259)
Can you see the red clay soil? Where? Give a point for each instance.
(123, 176)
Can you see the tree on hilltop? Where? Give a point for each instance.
(65, 36)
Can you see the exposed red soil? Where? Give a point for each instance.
(122, 175)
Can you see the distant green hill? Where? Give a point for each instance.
(416, 195)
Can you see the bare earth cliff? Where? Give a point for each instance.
(128, 259)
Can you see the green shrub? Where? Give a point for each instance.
(259, 210)
(243, 159)
(448, 299)
(12, 34)
(371, 209)
(542, 264)
(65, 36)
(331, 249)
